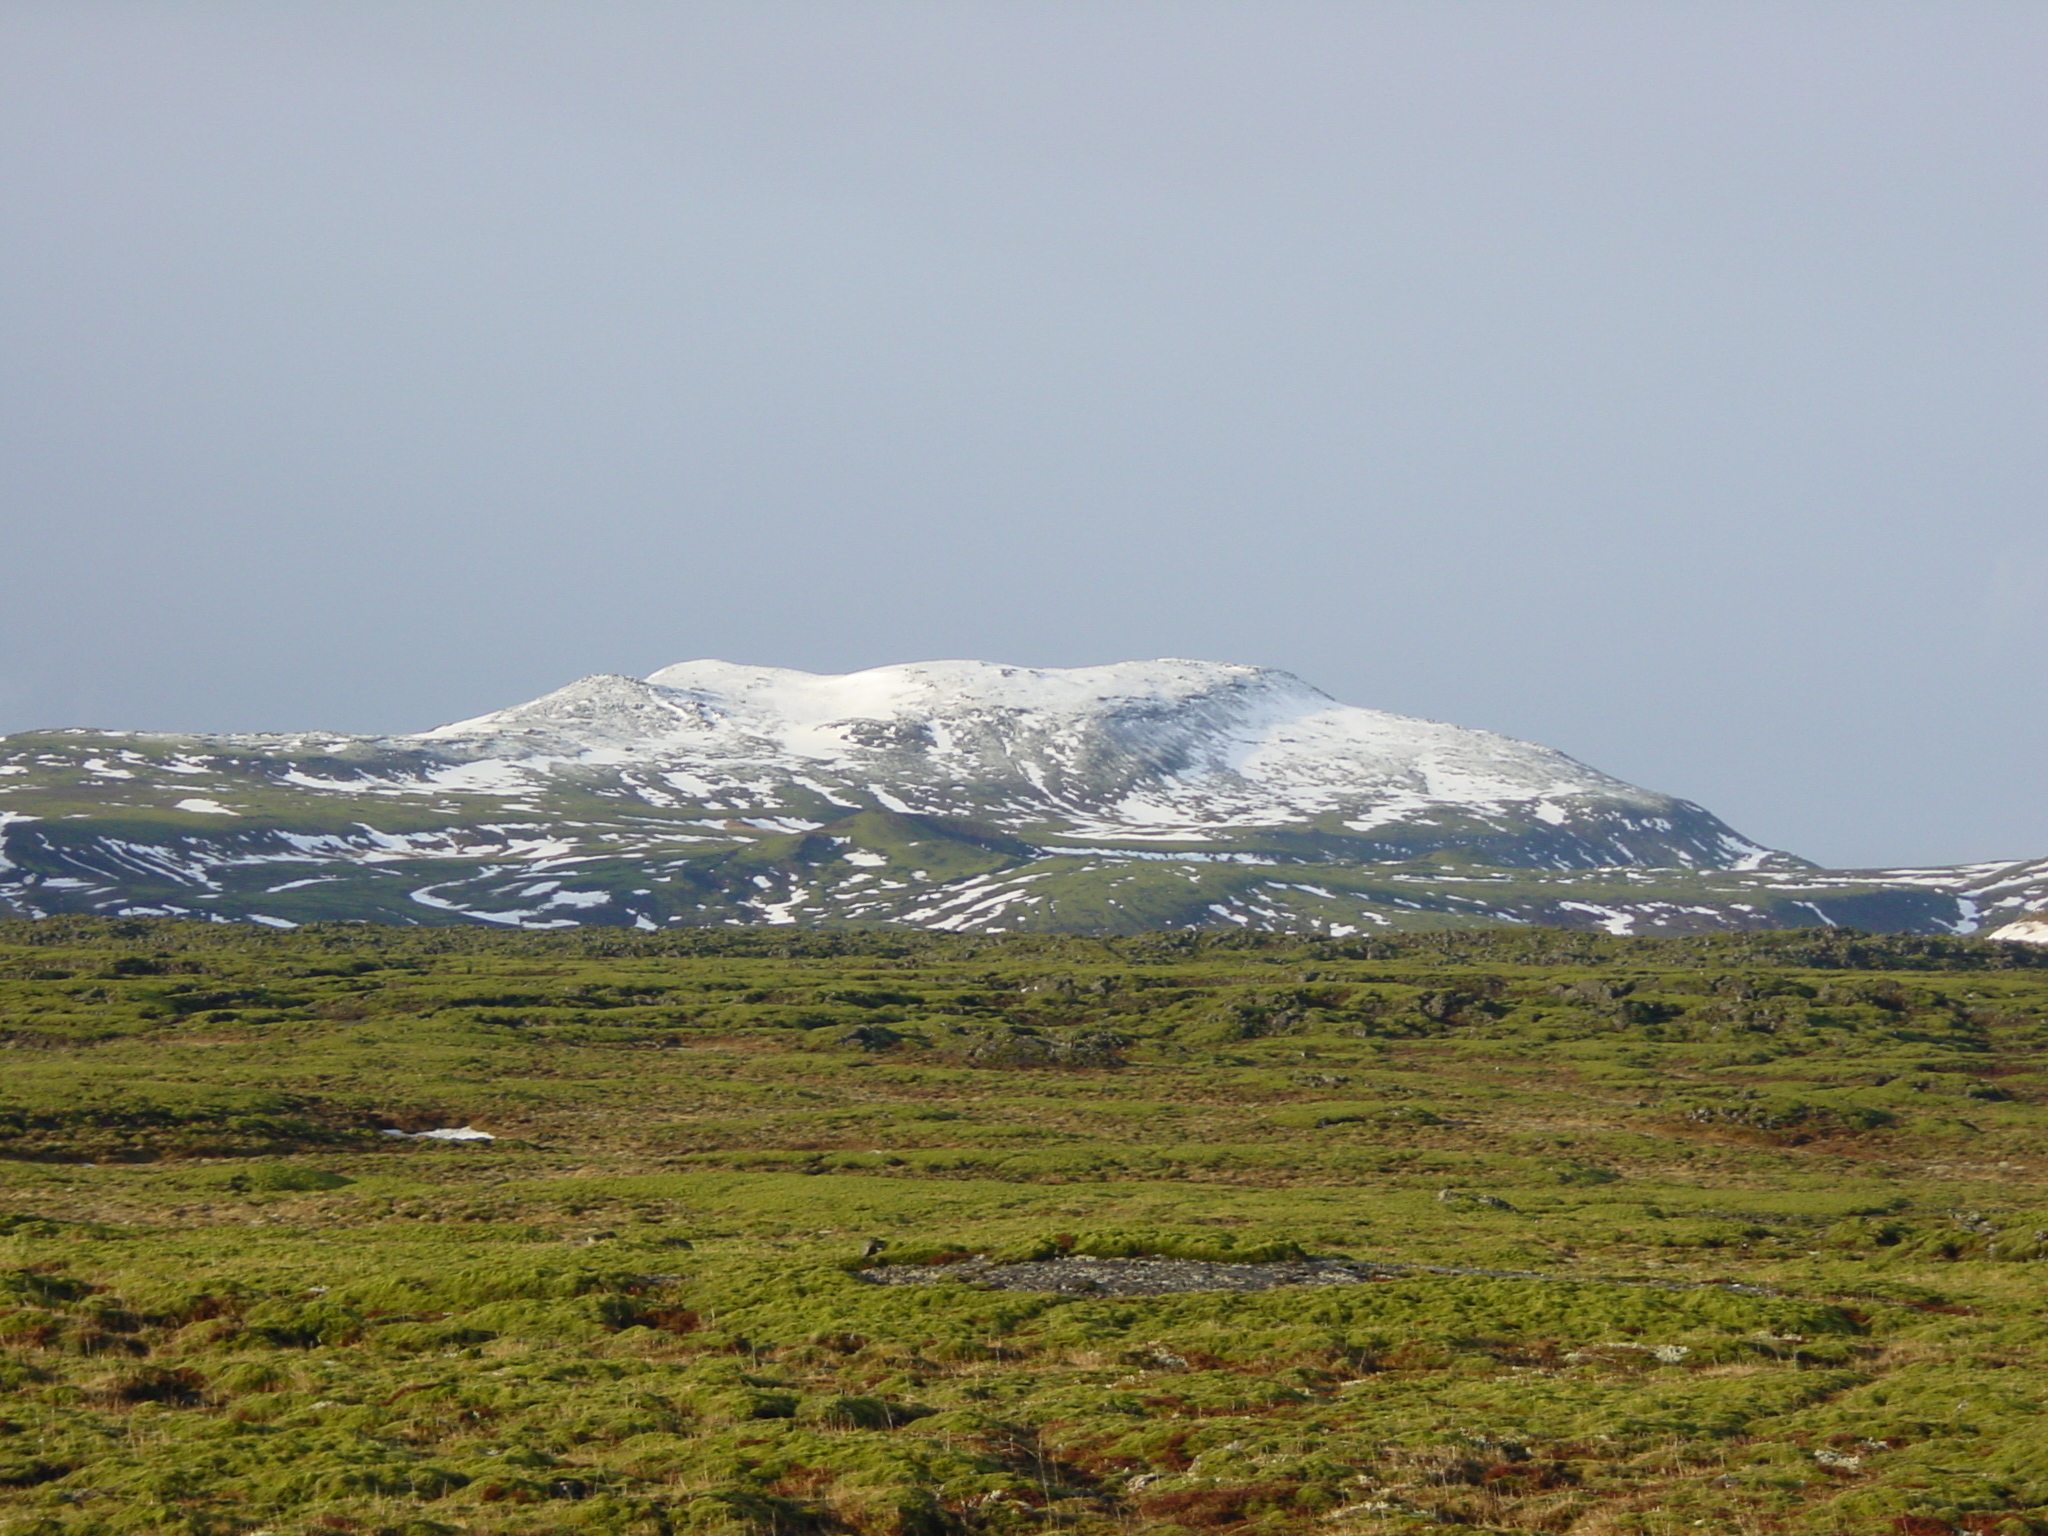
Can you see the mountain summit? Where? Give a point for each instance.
(950, 794)
(1151, 751)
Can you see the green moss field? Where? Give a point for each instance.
(1733, 1234)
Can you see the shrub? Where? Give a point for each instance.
(278, 1178)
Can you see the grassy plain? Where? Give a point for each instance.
(1774, 1203)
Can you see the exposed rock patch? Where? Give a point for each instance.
(1159, 1277)
(1130, 1277)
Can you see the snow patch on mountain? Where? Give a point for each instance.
(2031, 930)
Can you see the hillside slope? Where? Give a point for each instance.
(959, 795)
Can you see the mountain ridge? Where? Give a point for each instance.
(1135, 749)
(1163, 793)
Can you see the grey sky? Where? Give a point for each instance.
(1661, 382)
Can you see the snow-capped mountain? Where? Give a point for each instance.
(1157, 751)
(954, 794)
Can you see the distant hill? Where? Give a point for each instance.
(953, 795)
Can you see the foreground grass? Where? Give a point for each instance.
(1772, 1204)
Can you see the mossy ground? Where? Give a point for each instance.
(1778, 1199)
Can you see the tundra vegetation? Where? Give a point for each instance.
(1732, 1233)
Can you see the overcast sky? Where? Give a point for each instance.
(1659, 381)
